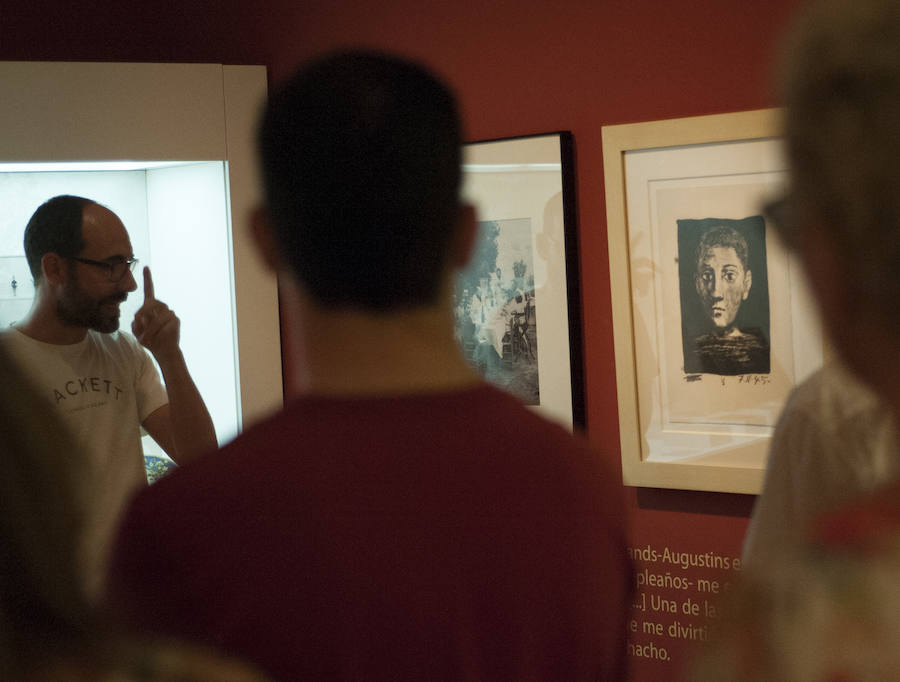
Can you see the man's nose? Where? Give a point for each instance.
(128, 283)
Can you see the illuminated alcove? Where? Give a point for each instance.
(169, 148)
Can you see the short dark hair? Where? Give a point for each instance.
(725, 237)
(55, 227)
(360, 156)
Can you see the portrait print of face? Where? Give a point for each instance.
(723, 277)
(724, 296)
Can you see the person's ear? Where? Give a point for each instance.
(465, 236)
(748, 282)
(263, 237)
(53, 269)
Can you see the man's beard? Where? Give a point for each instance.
(76, 309)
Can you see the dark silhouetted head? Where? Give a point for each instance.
(360, 156)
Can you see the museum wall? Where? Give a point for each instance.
(519, 68)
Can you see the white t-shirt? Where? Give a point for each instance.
(102, 388)
(834, 441)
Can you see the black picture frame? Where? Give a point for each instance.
(518, 303)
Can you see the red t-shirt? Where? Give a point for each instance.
(436, 536)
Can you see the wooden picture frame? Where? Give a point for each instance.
(704, 359)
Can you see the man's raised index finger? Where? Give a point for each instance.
(148, 285)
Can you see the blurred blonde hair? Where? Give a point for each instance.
(840, 82)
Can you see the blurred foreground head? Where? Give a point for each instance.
(841, 89)
(43, 611)
(49, 631)
(360, 155)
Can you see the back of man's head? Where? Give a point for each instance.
(841, 87)
(55, 227)
(360, 159)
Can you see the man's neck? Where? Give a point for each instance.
(351, 352)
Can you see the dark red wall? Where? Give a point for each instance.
(519, 68)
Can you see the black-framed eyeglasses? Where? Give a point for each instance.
(115, 270)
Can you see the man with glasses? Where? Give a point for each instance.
(101, 381)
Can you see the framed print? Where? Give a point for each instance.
(516, 306)
(712, 321)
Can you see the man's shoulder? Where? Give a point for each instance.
(479, 413)
(8, 337)
(833, 395)
(481, 424)
(117, 344)
(29, 350)
(116, 339)
(11, 336)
